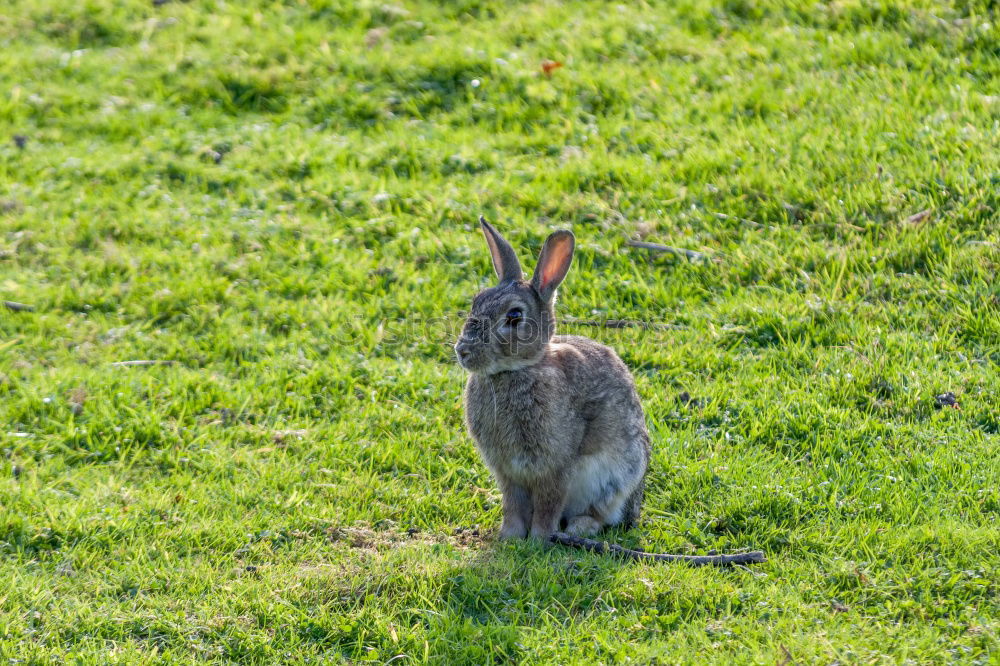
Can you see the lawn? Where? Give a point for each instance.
(277, 202)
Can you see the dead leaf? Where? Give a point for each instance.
(77, 397)
(375, 36)
(917, 218)
(549, 65)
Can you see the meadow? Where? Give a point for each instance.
(276, 202)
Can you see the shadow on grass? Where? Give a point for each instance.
(507, 594)
(507, 589)
(466, 599)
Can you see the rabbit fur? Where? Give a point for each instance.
(556, 418)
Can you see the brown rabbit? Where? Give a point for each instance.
(556, 418)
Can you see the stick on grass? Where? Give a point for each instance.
(753, 224)
(656, 247)
(141, 362)
(19, 307)
(617, 323)
(602, 548)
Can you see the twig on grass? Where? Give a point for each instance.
(603, 548)
(750, 223)
(19, 307)
(607, 323)
(617, 323)
(656, 247)
(141, 362)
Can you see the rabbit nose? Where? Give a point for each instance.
(462, 349)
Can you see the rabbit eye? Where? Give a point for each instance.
(514, 316)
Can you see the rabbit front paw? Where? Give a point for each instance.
(541, 533)
(512, 529)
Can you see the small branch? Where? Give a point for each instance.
(609, 323)
(743, 220)
(603, 548)
(130, 363)
(656, 247)
(617, 323)
(19, 307)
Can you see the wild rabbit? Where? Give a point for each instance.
(556, 418)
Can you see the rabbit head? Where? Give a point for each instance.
(510, 324)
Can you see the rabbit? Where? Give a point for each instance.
(556, 418)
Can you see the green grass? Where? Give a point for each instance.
(281, 199)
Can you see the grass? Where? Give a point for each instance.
(281, 199)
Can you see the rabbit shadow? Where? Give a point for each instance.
(506, 588)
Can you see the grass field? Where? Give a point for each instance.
(280, 198)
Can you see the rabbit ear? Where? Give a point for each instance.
(505, 261)
(553, 263)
